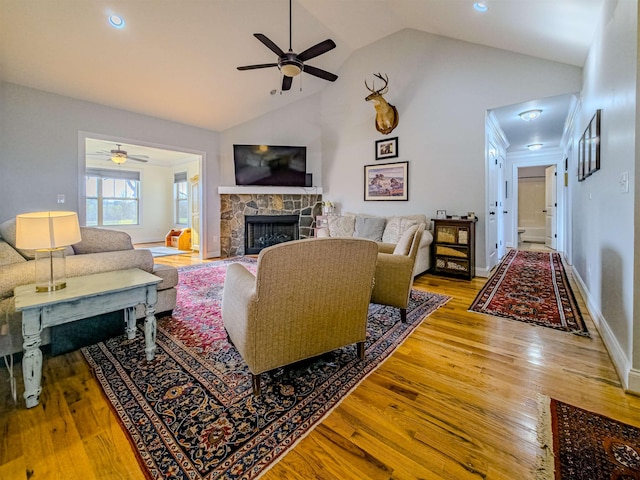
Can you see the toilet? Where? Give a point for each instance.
(520, 232)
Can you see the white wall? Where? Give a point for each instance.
(603, 246)
(296, 124)
(39, 157)
(442, 89)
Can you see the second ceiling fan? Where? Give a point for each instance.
(291, 63)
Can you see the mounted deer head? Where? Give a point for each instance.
(386, 114)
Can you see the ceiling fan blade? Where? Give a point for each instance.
(316, 50)
(286, 83)
(137, 159)
(318, 72)
(261, 65)
(269, 44)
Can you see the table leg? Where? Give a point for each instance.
(150, 323)
(130, 322)
(32, 358)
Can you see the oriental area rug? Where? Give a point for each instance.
(532, 287)
(191, 412)
(581, 445)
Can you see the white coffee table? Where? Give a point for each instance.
(84, 297)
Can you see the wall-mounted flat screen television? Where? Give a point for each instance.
(270, 165)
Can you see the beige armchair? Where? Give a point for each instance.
(394, 271)
(308, 297)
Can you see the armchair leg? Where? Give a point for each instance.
(255, 384)
(360, 346)
(403, 315)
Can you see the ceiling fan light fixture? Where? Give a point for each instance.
(119, 158)
(291, 67)
(530, 115)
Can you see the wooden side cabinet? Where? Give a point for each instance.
(454, 247)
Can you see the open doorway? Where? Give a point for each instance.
(535, 132)
(145, 190)
(535, 213)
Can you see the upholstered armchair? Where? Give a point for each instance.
(394, 271)
(308, 297)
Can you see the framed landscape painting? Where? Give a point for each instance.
(386, 182)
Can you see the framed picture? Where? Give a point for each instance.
(441, 214)
(386, 182)
(322, 221)
(592, 142)
(581, 152)
(387, 148)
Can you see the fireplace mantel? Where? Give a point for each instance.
(262, 190)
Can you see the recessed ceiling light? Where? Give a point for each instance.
(480, 6)
(116, 21)
(530, 115)
(534, 146)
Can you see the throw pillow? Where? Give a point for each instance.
(370, 228)
(392, 231)
(404, 244)
(341, 226)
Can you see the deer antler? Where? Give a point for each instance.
(380, 91)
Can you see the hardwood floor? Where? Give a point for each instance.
(458, 400)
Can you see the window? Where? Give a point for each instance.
(112, 197)
(180, 199)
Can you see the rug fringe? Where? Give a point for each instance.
(545, 465)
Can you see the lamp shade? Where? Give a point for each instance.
(40, 230)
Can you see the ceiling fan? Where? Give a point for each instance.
(119, 156)
(291, 63)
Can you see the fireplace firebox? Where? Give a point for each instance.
(262, 231)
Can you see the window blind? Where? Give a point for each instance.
(107, 173)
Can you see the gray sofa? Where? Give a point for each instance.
(387, 231)
(100, 250)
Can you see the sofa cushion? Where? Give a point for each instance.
(97, 240)
(370, 228)
(168, 274)
(404, 244)
(9, 255)
(341, 226)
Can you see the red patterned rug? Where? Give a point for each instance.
(191, 413)
(581, 445)
(532, 287)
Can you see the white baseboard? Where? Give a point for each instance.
(630, 378)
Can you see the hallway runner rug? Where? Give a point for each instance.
(581, 445)
(531, 287)
(191, 413)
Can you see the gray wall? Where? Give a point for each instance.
(604, 218)
(39, 150)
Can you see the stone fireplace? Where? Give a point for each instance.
(234, 207)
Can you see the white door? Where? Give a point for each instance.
(195, 212)
(500, 209)
(550, 207)
(492, 208)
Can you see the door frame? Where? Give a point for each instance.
(552, 157)
(82, 154)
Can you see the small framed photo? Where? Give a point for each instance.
(386, 182)
(322, 221)
(387, 148)
(441, 214)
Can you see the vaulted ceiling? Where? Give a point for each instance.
(177, 60)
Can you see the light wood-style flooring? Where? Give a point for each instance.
(457, 401)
